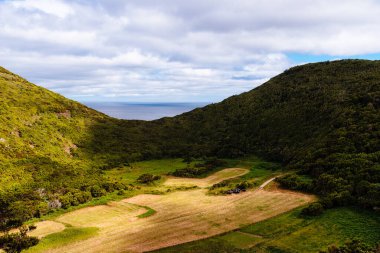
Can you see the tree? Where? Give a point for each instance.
(313, 209)
(354, 246)
(147, 178)
(16, 242)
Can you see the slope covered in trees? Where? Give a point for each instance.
(321, 119)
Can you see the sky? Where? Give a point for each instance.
(177, 51)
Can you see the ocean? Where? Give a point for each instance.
(142, 111)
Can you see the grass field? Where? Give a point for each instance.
(291, 232)
(176, 217)
(69, 235)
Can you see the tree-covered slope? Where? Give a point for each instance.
(302, 108)
(322, 119)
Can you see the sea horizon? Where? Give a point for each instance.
(143, 110)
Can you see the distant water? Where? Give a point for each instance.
(142, 111)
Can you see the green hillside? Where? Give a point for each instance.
(320, 119)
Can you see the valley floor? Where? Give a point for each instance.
(174, 218)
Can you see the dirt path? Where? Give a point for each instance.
(266, 183)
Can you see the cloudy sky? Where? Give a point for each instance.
(177, 51)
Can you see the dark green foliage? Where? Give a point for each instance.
(16, 242)
(321, 119)
(295, 182)
(200, 169)
(354, 246)
(147, 178)
(313, 209)
(220, 185)
(191, 172)
(32, 227)
(244, 185)
(97, 191)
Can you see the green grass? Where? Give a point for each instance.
(156, 167)
(148, 213)
(260, 170)
(69, 235)
(241, 240)
(292, 232)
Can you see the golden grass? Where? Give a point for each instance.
(181, 216)
(45, 228)
(102, 216)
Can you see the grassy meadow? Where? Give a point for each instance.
(292, 232)
(129, 223)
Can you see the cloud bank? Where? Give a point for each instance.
(175, 51)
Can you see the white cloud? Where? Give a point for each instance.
(53, 7)
(200, 50)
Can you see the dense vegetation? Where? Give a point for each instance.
(352, 246)
(321, 120)
(48, 152)
(16, 242)
(198, 169)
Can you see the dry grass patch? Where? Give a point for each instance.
(208, 181)
(180, 217)
(45, 228)
(102, 216)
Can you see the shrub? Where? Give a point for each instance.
(16, 242)
(354, 246)
(244, 185)
(147, 178)
(295, 182)
(32, 227)
(96, 191)
(313, 209)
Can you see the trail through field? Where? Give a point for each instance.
(266, 183)
(181, 217)
(208, 181)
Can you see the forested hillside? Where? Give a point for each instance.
(322, 120)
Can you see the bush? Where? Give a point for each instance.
(295, 182)
(16, 242)
(354, 246)
(32, 227)
(65, 201)
(147, 178)
(96, 191)
(313, 209)
(244, 185)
